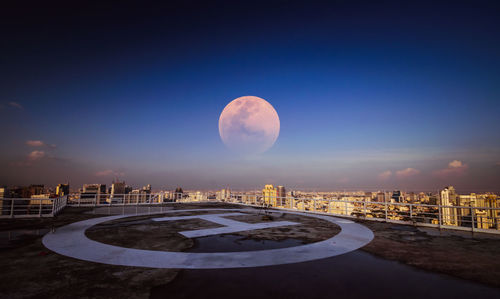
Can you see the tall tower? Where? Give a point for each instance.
(448, 197)
(62, 189)
(281, 194)
(269, 195)
(117, 192)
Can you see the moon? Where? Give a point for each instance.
(249, 125)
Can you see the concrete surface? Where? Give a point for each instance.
(230, 226)
(71, 241)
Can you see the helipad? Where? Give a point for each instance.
(71, 241)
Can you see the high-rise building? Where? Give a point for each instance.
(224, 194)
(269, 195)
(91, 191)
(62, 190)
(136, 196)
(281, 196)
(397, 196)
(4, 192)
(4, 204)
(128, 189)
(147, 189)
(178, 193)
(117, 192)
(380, 197)
(448, 197)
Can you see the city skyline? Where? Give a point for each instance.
(384, 98)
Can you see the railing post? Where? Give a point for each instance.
(439, 216)
(364, 207)
(11, 208)
(329, 206)
(385, 208)
(411, 212)
(345, 206)
(40, 209)
(472, 214)
(54, 207)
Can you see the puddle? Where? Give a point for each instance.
(353, 275)
(233, 243)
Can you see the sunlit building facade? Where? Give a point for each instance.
(269, 194)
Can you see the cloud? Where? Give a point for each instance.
(39, 143)
(385, 175)
(109, 172)
(455, 168)
(455, 164)
(407, 172)
(36, 155)
(16, 105)
(35, 143)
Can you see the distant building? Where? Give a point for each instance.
(35, 190)
(269, 194)
(178, 194)
(380, 197)
(397, 196)
(40, 199)
(5, 204)
(224, 194)
(4, 192)
(448, 197)
(62, 190)
(136, 196)
(128, 189)
(281, 196)
(147, 189)
(91, 191)
(117, 192)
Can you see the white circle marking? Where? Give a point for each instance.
(70, 240)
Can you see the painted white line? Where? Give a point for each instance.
(233, 229)
(230, 226)
(70, 240)
(216, 217)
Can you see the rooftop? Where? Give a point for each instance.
(401, 259)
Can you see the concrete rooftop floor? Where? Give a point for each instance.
(400, 260)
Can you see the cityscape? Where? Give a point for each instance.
(250, 149)
(446, 207)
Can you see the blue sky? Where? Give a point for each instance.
(369, 95)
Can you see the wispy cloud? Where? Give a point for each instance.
(16, 105)
(36, 155)
(407, 172)
(109, 172)
(385, 175)
(455, 168)
(35, 143)
(39, 143)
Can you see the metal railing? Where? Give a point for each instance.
(31, 207)
(468, 218)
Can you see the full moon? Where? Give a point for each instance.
(249, 125)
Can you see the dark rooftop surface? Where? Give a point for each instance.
(401, 261)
